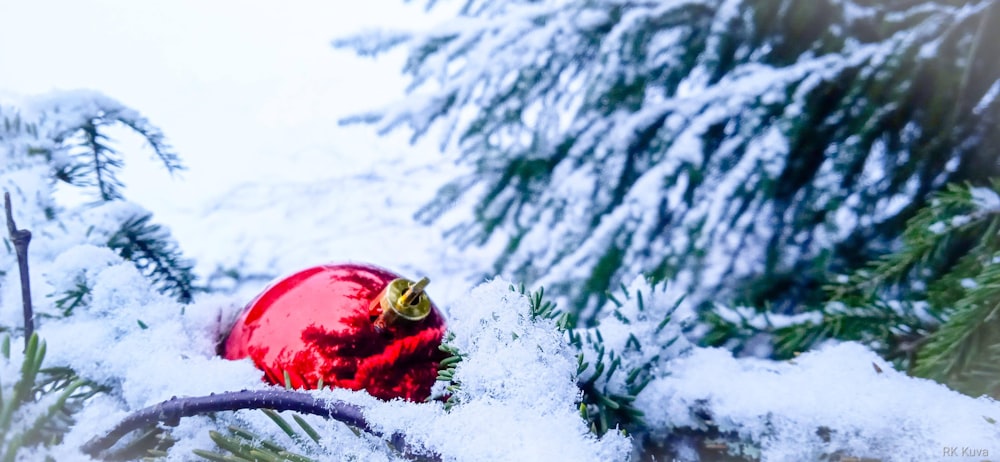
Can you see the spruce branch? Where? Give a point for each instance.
(171, 411)
(25, 427)
(150, 247)
(105, 161)
(965, 353)
(21, 238)
(94, 161)
(865, 137)
(246, 446)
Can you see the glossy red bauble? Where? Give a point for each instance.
(319, 326)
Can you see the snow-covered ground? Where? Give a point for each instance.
(249, 94)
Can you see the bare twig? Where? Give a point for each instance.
(21, 238)
(171, 411)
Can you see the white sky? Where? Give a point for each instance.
(245, 90)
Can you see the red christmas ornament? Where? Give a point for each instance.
(345, 325)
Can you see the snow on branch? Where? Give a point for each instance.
(171, 411)
(696, 138)
(842, 400)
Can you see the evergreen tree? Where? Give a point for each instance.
(743, 149)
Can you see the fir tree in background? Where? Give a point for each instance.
(742, 149)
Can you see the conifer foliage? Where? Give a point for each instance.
(931, 306)
(63, 138)
(66, 135)
(38, 408)
(743, 149)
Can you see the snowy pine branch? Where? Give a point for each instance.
(743, 149)
(154, 252)
(965, 352)
(172, 411)
(929, 306)
(66, 134)
(38, 410)
(82, 153)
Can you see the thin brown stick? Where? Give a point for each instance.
(171, 411)
(21, 238)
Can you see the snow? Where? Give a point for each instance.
(988, 98)
(938, 227)
(865, 413)
(986, 200)
(518, 395)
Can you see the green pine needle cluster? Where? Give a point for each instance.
(38, 409)
(446, 370)
(893, 329)
(82, 154)
(244, 446)
(93, 160)
(241, 445)
(602, 407)
(605, 407)
(150, 247)
(69, 300)
(950, 263)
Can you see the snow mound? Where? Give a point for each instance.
(841, 399)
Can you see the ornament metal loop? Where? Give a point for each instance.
(404, 299)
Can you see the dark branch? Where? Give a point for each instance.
(171, 411)
(21, 238)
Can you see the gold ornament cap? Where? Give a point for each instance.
(403, 299)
